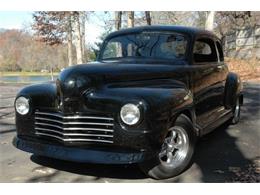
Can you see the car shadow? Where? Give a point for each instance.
(217, 157)
(98, 171)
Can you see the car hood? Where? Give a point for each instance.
(78, 78)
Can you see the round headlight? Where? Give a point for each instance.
(130, 114)
(22, 105)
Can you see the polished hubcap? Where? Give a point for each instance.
(175, 147)
(237, 109)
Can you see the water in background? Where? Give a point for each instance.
(26, 79)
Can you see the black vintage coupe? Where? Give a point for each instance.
(152, 92)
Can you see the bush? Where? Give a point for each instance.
(247, 69)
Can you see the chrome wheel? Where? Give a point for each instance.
(176, 151)
(175, 147)
(236, 112)
(237, 109)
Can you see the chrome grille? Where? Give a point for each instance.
(74, 128)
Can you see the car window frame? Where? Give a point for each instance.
(214, 47)
(219, 60)
(186, 36)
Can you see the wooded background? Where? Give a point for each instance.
(56, 40)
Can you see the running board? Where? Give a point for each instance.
(224, 117)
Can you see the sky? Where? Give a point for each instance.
(23, 19)
(17, 19)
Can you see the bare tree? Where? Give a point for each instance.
(209, 24)
(78, 38)
(148, 17)
(83, 33)
(21, 50)
(49, 27)
(69, 41)
(53, 28)
(118, 20)
(130, 19)
(58, 27)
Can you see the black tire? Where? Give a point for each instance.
(236, 112)
(157, 168)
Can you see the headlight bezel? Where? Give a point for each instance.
(26, 100)
(136, 107)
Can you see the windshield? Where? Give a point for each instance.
(155, 45)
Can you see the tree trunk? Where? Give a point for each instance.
(69, 39)
(130, 19)
(78, 39)
(148, 17)
(118, 20)
(83, 32)
(209, 24)
(52, 78)
(118, 24)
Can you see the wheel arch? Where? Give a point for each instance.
(190, 114)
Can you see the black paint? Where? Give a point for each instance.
(163, 90)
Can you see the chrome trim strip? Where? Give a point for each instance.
(51, 114)
(74, 128)
(71, 139)
(47, 119)
(73, 117)
(73, 123)
(86, 123)
(50, 130)
(74, 134)
(57, 137)
(47, 124)
(87, 117)
(87, 135)
(86, 129)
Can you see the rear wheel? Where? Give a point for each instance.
(176, 151)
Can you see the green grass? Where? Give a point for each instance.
(27, 73)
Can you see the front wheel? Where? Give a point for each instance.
(176, 151)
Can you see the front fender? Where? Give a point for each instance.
(40, 96)
(160, 102)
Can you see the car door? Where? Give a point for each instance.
(222, 71)
(207, 80)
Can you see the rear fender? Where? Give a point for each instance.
(233, 89)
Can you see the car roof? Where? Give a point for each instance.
(191, 31)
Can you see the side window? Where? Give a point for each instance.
(131, 49)
(220, 51)
(173, 47)
(113, 50)
(204, 51)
